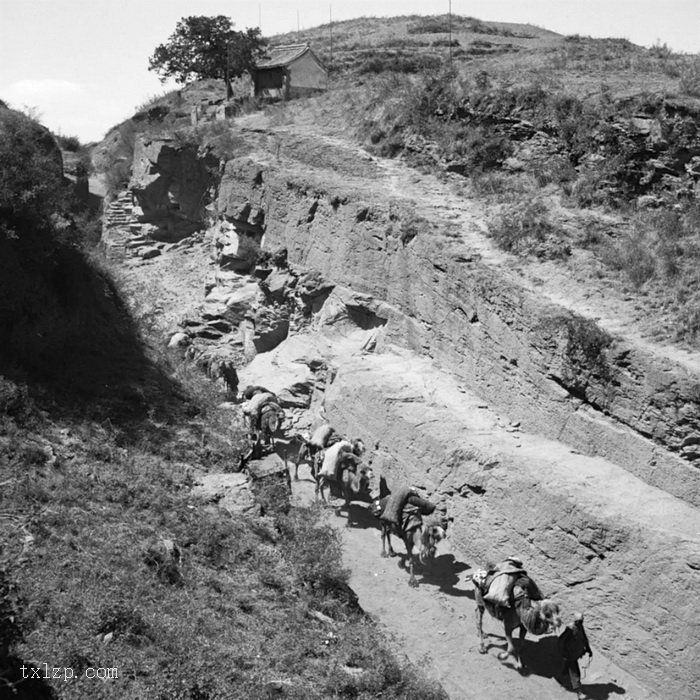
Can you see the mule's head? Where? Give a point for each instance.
(479, 578)
(430, 537)
(549, 615)
(358, 447)
(365, 480)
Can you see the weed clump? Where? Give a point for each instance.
(527, 229)
(399, 63)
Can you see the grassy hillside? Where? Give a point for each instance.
(256, 607)
(111, 571)
(582, 150)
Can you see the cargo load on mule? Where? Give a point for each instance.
(343, 472)
(401, 512)
(340, 455)
(254, 404)
(311, 447)
(403, 508)
(502, 585)
(324, 436)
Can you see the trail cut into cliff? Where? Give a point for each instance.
(516, 393)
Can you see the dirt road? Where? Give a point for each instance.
(434, 624)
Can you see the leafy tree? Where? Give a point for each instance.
(207, 47)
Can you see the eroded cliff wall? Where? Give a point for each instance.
(543, 434)
(556, 373)
(599, 540)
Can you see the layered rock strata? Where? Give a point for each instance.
(557, 373)
(598, 539)
(541, 432)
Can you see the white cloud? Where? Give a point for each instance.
(23, 91)
(84, 110)
(61, 105)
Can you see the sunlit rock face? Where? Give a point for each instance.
(555, 372)
(171, 183)
(539, 432)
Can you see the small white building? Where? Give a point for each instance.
(289, 71)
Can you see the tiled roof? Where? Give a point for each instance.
(282, 55)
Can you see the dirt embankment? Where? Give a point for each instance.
(544, 433)
(448, 295)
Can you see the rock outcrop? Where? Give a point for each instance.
(171, 183)
(586, 466)
(557, 373)
(539, 430)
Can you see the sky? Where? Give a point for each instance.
(81, 66)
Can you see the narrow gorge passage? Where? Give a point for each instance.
(434, 625)
(544, 436)
(398, 402)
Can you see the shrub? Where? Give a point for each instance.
(116, 160)
(444, 41)
(485, 149)
(659, 50)
(688, 320)
(411, 227)
(431, 25)
(272, 494)
(637, 260)
(527, 229)
(399, 63)
(585, 349)
(482, 80)
(220, 137)
(10, 631)
(556, 169)
(121, 619)
(689, 81)
(313, 550)
(69, 143)
(14, 399)
(659, 245)
(31, 172)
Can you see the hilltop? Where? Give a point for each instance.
(586, 150)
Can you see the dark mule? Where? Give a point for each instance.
(415, 534)
(271, 417)
(355, 484)
(527, 610)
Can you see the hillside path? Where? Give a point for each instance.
(446, 199)
(434, 625)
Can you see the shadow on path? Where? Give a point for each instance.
(444, 573)
(541, 657)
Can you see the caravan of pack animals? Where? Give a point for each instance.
(504, 590)
(363, 364)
